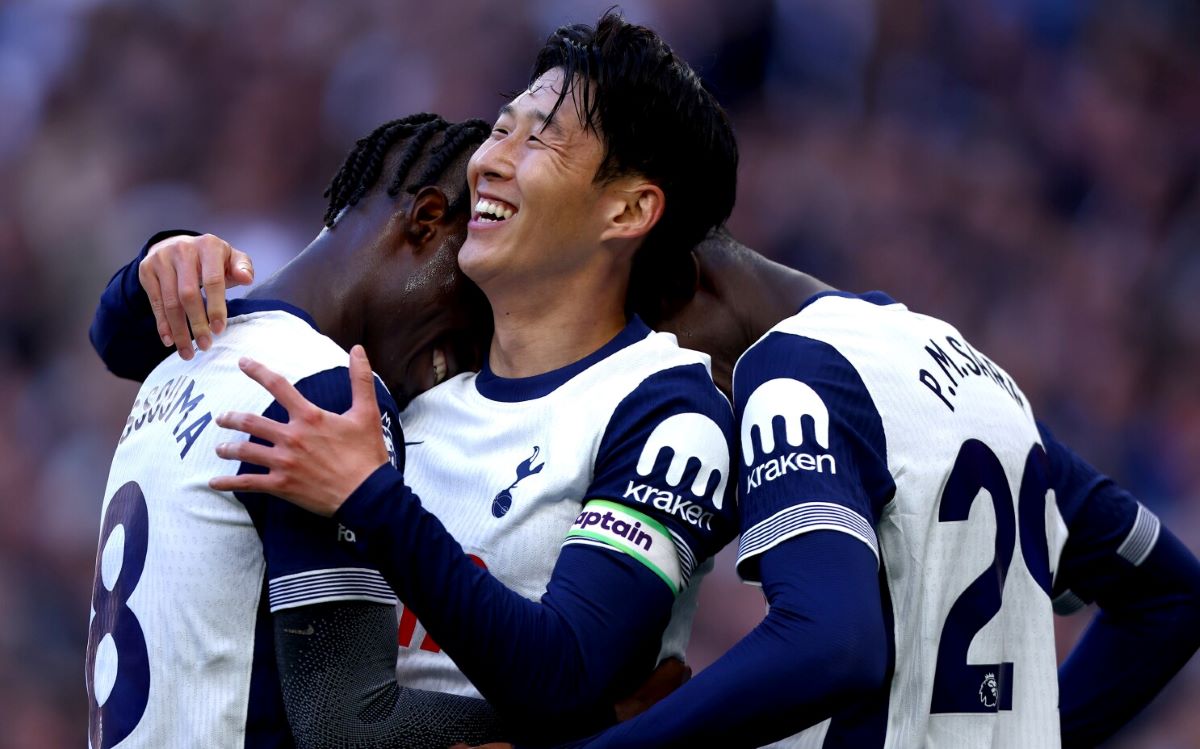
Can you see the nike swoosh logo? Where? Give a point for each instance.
(418, 442)
(306, 632)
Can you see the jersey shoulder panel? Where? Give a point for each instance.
(664, 461)
(812, 446)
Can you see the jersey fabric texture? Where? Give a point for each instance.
(180, 650)
(626, 450)
(861, 417)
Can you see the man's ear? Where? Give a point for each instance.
(425, 214)
(637, 206)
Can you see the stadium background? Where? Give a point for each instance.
(1025, 169)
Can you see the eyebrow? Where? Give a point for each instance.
(548, 122)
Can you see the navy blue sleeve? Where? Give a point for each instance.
(814, 454)
(1109, 533)
(311, 559)
(555, 667)
(123, 330)
(335, 620)
(1147, 585)
(821, 648)
(1146, 630)
(662, 489)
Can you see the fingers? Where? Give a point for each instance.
(171, 308)
(239, 270)
(254, 425)
(188, 282)
(173, 274)
(278, 386)
(213, 256)
(258, 483)
(149, 282)
(362, 384)
(247, 452)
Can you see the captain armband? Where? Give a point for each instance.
(608, 524)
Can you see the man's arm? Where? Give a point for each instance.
(554, 667)
(150, 303)
(1147, 585)
(337, 671)
(822, 647)
(334, 622)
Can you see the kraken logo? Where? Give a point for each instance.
(689, 436)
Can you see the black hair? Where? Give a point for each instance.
(655, 118)
(419, 135)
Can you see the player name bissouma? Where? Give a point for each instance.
(170, 405)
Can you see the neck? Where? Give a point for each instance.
(538, 330)
(741, 295)
(317, 282)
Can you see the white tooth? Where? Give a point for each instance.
(491, 207)
(439, 365)
(506, 213)
(479, 205)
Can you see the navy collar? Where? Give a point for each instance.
(874, 297)
(516, 389)
(248, 306)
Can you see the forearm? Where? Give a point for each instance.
(1142, 636)
(821, 648)
(123, 331)
(337, 671)
(560, 662)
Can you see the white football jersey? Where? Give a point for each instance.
(636, 430)
(859, 416)
(180, 644)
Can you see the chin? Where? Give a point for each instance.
(473, 261)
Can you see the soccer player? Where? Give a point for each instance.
(584, 425)
(903, 612)
(914, 529)
(213, 611)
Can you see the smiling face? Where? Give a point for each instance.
(538, 214)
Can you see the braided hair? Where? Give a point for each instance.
(419, 136)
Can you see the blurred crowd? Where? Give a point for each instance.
(1027, 169)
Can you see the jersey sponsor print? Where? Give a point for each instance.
(852, 421)
(627, 450)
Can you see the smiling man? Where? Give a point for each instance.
(586, 467)
(215, 613)
(588, 195)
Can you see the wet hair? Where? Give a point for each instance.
(656, 119)
(427, 140)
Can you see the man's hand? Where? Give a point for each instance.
(318, 458)
(172, 274)
(669, 676)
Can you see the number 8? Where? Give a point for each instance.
(115, 628)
